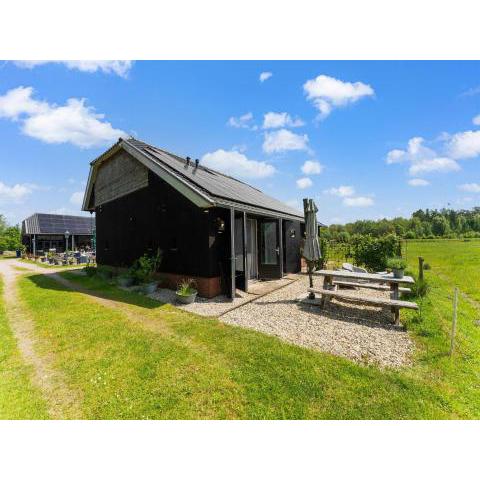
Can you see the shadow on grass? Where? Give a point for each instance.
(93, 287)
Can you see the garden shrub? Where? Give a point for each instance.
(373, 253)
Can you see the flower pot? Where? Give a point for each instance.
(150, 287)
(397, 272)
(186, 299)
(125, 281)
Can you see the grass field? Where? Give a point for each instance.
(148, 360)
(18, 398)
(457, 261)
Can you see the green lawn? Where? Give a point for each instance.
(18, 398)
(192, 367)
(164, 363)
(456, 260)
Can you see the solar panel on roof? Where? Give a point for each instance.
(57, 224)
(219, 184)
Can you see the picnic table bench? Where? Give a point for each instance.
(333, 278)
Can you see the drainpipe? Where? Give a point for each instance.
(34, 245)
(245, 263)
(232, 250)
(280, 240)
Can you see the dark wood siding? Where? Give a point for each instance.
(156, 216)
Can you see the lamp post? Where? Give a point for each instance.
(67, 235)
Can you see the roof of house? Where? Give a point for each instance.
(50, 224)
(205, 186)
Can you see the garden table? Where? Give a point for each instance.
(330, 288)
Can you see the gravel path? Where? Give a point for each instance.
(356, 331)
(213, 307)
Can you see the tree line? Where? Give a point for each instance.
(444, 223)
(10, 236)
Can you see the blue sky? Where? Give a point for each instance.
(365, 139)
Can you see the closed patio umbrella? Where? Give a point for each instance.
(311, 249)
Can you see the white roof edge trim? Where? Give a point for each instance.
(88, 191)
(194, 195)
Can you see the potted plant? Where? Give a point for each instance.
(398, 265)
(144, 270)
(186, 291)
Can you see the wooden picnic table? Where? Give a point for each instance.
(355, 279)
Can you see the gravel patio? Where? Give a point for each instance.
(362, 333)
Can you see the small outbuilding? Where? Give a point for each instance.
(210, 226)
(42, 232)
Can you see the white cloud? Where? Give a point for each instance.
(418, 182)
(19, 101)
(118, 67)
(265, 76)
(465, 145)
(237, 164)
(328, 93)
(296, 204)
(358, 201)
(303, 183)
(68, 211)
(422, 159)
(73, 122)
(311, 167)
(15, 193)
(283, 140)
(396, 156)
(470, 187)
(244, 121)
(341, 191)
(77, 198)
(476, 120)
(279, 120)
(440, 164)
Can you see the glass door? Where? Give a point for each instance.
(269, 258)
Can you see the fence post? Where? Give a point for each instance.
(454, 321)
(420, 268)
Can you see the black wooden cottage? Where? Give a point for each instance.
(210, 226)
(44, 231)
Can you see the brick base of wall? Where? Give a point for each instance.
(207, 287)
